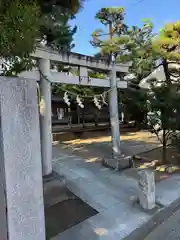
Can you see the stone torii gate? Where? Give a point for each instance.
(44, 55)
(21, 190)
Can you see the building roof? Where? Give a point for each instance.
(159, 74)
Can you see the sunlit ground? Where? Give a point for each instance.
(93, 146)
(153, 159)
(99, 137)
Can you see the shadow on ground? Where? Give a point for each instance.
(94, 146)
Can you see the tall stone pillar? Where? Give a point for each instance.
(21, 191)
(114, 114)
(45, 117)
(117, 161)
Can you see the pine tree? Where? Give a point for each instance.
(139, 51)
(167, 43)
(55, 29)
(128, 44)
(164, 108)
(164, 96)
(114, 34)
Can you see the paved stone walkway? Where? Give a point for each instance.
(168, 230)
(110, 193)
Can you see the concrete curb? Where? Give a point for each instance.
(163, 214)
(138, 157)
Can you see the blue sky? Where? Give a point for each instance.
(160, 11)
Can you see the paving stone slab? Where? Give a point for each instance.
(168, 191)
(66, 172)
(86, 196)
(110, 193)
(113, 223)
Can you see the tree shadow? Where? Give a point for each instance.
(97, 146)
(91, 151)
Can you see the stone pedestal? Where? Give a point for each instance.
(147, 189)
(118, 163)
(21, 192)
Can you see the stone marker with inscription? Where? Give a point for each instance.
(21, 192)
(147, 189)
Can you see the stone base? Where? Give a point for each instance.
(118, 163)
(54, 176)
(55, 191)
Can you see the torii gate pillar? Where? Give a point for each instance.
(45, 117)
(117, 161)
(114, 114)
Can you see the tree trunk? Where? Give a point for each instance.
(164, 152)
(166, 71)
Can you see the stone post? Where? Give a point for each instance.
(114, 114)
(45, 118)
(147, 189)
(117, 161)
(21, 191)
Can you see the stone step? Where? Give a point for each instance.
(55, 191)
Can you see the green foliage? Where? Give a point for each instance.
(139, 49)
(164, 108)
(55, 29)
(12, 66)
(165, 99)
(19, 27)
(96, 75)
(113, 19)
(110, 15)
(24, 23)
(167, 44)
(72, 6)
(175, 141)
(133, 101)
(139, 52)
(128, 44)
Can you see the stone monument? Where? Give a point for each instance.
(21, 192)
(147, 189)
